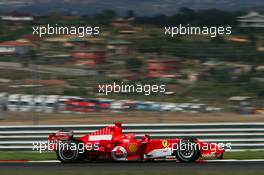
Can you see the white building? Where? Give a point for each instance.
(15, 17)
(252, 19)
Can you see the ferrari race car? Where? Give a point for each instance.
(110, 144)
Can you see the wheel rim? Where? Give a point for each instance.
(186, 151)
(67, 153)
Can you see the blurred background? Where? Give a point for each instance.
(54, 79)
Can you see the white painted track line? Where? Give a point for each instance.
(236, 160)
(200, 161)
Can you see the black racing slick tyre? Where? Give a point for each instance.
(68, 152)
(187, 151)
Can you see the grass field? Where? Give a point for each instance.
(12, 155)
(186, 169)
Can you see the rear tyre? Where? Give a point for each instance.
(68, 152)
(187, 151)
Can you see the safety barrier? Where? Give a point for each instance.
(242, 136)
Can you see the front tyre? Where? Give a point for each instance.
(68, 152)
(187, 151)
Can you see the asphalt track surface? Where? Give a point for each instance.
(138, 166)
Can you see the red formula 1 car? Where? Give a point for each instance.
(111, 144)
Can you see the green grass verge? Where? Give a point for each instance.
(17, 155)
(75, 171)
(244, 155)
(12, 155)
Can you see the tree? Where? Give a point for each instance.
(134, 64)
(130, 14)
(106, 16)
(54, 17)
